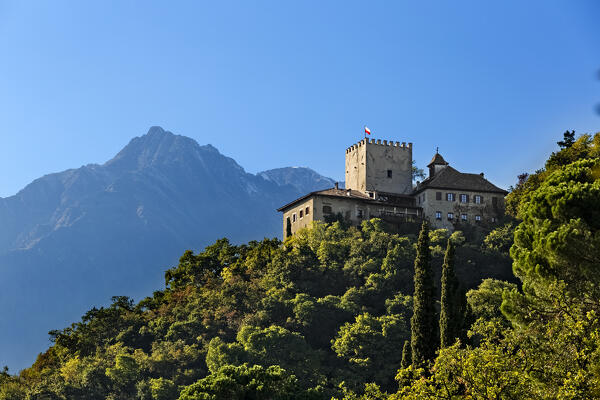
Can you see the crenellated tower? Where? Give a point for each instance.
(379, 166)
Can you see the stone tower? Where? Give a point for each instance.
(376, 166)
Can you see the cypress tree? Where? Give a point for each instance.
(406, 356)
(451, 306)
(423, 323)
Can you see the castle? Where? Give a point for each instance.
(379, 185)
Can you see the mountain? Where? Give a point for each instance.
(71, 240)
(298, 177)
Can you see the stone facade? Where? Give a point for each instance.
(379, 185)
(376, 166)
(351, 205)
(447, 208)
(299, 216)
(449, 197)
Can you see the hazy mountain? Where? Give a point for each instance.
(70, 240)
(302, 179)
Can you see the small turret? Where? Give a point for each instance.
(437, 164)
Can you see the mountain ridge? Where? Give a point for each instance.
(112, 229)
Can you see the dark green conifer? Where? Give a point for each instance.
(451, 306)
(423, 322)
(568, 140)
(406, 356)
(288, 228)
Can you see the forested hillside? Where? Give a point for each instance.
(362, 312)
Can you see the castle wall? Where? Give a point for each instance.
(379, 166)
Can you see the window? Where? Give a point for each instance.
(478, 199)
(478, 218)
(493, 219)
(370, 194)
(326, 209)
(307, 211)
(359, 213)
(301, 214)
(494, 201)
(294, 217)
(450, 197)
(389, 172)
(450, 216)
(438, 215)
(463, 217)
(464, 198)
(438, 195)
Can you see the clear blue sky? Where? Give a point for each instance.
(277, 83)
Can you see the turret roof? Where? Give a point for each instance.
(437, 159)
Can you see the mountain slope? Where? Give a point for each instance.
(71, 240)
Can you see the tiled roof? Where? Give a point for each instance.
(388, 198)
(449, 178)
(333, 192)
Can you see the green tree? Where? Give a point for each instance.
(365, 344)
(451, 310)
(417, 173)
(556, 255)
(406, 356)
(423, 322)
(270, 346)
(485, 301)
(244, 382)
(500, 239)
(568, 140)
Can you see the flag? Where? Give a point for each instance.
(367, 130)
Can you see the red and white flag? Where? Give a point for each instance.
(367, 130)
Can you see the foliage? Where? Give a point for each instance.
(584, 147)
(568, 140)
(406, 355)
(451, 304)
(500, 239)
(244, 382)
(486, 300)
(540, 339)
(324, 314)
(423, 338)
(417, 173)
(365, 343)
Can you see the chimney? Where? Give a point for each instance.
(336, 186)
(481, 174)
